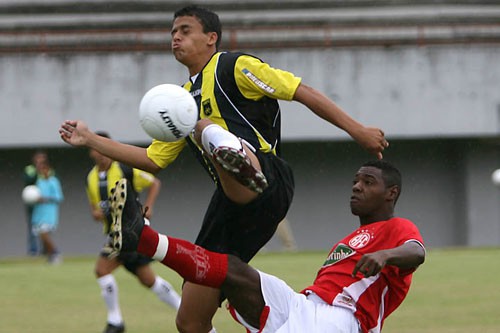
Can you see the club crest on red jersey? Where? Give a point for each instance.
(361, 239)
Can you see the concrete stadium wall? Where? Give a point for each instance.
(449, 91)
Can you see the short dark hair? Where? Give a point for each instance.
(390, 174)
(208, 19)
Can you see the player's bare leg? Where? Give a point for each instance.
(242, 183)
(198, 306)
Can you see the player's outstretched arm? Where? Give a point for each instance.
(370, 138)
(408, 255)
(77, 133)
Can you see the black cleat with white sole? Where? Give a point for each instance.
(110, 328)
(127, 218)
(237, 163)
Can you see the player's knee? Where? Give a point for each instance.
(101, 271)
(200, 126)
(191, 325)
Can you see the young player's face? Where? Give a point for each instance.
(189, 42)
(40, 158)
(43, 169)
(369, 193)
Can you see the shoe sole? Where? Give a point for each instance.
(118, 198)
(239, 165)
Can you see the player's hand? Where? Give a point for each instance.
(373, 140)
(74, 132)
(370, 264)
(148, 212)
(98, 215)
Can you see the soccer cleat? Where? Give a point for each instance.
(237, 163)
(127, 216)
(110, 328)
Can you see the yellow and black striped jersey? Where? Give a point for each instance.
(240, 93)
(140, 181)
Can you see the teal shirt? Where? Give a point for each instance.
(48, 212)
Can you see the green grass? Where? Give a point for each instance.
(456, 290)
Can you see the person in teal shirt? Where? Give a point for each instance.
(45, 216)
(30, 176)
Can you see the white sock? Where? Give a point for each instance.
(213, 330)
(109, 292)
(166, 293)
(214, 136)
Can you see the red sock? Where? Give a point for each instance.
(148, 242)
(192, 262)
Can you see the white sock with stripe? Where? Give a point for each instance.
(214, 136)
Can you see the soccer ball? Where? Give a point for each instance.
(495, 177)
(31, 194)
(168, 112)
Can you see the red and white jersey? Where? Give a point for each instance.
(372, 299)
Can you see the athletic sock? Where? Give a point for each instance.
(192, 262)
(109, 292)
(166, 293)
(214, 136)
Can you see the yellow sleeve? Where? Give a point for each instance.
(142, 179)
(164, 153)
(92, 188)
(256, 79)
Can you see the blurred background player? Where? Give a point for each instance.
(100, 180)
(45, 215)
(30, 175)
(286, 237)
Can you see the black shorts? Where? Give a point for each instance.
(242, 230)
(130, 260)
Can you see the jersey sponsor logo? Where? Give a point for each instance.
(360, 240)
(170, 124)
(207, 108)
(340, 252)
(258, 82)
(195, 93)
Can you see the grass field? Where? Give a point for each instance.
(455, 291)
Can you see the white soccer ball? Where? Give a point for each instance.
(495, 177)
(31, 194)
(168, 112)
